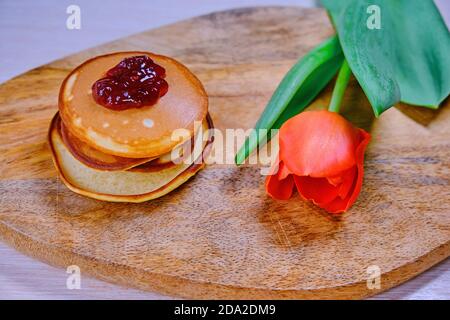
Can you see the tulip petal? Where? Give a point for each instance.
(318, 144)
(341, 205)
(318, 190)
(338, 205)
(280, 184)
(348, 178)
(335, 181)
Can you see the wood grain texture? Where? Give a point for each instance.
(220, 236)
(22, 277)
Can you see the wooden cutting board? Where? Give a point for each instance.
(219, 235)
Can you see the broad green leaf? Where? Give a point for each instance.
(296, 91)
(407, 59)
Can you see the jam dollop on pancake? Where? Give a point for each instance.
(135, 82)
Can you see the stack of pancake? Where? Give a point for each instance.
(129, 155)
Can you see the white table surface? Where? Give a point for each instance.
(33, 33)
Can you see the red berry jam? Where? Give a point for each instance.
(134, 83)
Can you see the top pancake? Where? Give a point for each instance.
(137, 132)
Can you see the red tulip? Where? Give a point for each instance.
(321, 154)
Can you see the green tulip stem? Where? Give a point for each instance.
(339, 87)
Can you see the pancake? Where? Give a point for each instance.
(137, 132)
(183, 151)
(118, 186)
(97, 159)
(94, 158)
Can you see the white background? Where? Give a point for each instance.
(33, 33)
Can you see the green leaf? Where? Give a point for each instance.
(296, 91)
(407, 59)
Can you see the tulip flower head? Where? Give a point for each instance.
(322, 155)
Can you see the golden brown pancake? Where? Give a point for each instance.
(182, 152)
(94, 158)
(97, 159)
(118, 186)
(138, 132)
